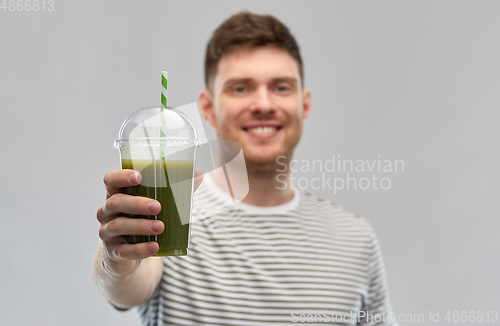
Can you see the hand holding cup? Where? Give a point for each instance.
(120, 257)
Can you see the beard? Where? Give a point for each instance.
(268, 168)
(257, 164)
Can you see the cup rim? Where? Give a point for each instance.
(157, 140)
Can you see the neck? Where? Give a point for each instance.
(269, 185)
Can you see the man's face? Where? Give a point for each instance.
(258, 102)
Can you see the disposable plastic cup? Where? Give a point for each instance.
(161, 144)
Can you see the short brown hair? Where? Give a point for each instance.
(248, 30)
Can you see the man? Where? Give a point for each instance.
(280, 256)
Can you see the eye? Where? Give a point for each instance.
(283, 88)
(240, 89)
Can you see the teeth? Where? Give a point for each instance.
(262, 130)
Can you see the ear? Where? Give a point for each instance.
(306, 97)
(207, 107)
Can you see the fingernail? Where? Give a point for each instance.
(154, 206)
(135, 177)
(151, 248)
(156, 226)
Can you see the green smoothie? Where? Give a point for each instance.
(169, 182)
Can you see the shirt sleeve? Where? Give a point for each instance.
(376, 308)
(119, 309)
(149, 311)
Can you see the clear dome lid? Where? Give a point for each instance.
(157, 124)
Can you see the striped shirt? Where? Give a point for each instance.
(304, 261)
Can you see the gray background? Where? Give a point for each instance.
(416, 81)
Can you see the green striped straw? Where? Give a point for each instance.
(164, 76)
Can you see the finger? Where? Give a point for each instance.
(133, 251)
(129, 226)
(126, 204)
(117, 179)
(198, 178)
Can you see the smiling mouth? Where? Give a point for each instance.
(266, 130)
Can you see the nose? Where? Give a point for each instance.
(262, 102)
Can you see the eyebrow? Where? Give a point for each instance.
(290, 80)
